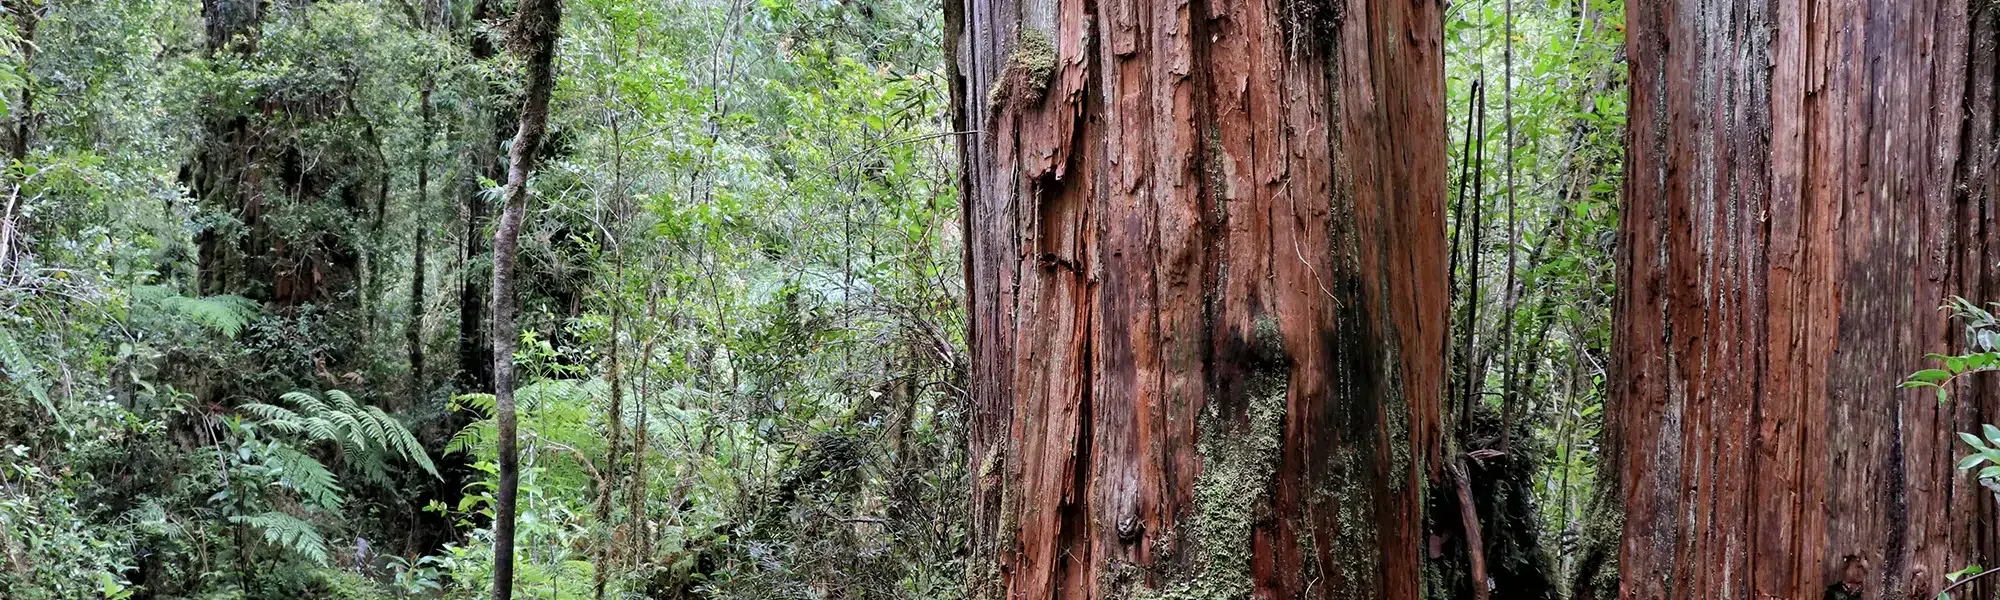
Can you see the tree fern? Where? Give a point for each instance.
(288, 532)
(474, 434)
(308, 476)
(359, 430)
(557, 409)
(226, 314)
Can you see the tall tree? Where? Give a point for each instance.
(1206, 276)
(27, 15)
(413, 330)
(1807, 181)
(475, 350)
(535, 27)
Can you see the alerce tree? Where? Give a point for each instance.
(1206, 276)
(1808, 181)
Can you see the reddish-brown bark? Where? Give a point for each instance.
(1205, 262)
(1808, 181)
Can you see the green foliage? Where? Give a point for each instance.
(288, 532)
(227, 314)
(308, 476)
(1982, 341)
(25, 375)
(752, 203)
(1566, 155)
(360, 430)
(1982, 353)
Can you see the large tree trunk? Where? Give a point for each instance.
(1808, 181)
(1205, 261)
(535, 27)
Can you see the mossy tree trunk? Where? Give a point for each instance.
(1808, 181)
(1205, 266)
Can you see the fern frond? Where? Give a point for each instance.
(310, 477)
(276, 418)
(319, 430)
(359, 429)
(342, 402)
(306, 402)
(398, 439)
(288, 532)
(483, 403)
(227, 314)
(469, 438)
(372, 428)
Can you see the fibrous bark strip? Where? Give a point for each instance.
(1205, 264)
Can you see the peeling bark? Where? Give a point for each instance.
(1206, 275)
(1808, 181)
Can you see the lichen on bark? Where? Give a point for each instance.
(1029, 67)
(1233, 495)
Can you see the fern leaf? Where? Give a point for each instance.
(342, 402)
(309, 477)
(306, 402)
(276, 418)
(319, 430)
(15, 365)
(227, 314)
(483, 403)
(288, 532)
(471, 437)
(397, 438)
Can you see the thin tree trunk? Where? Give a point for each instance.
(373, 256)
(635, 493)
(1508, 405)
(1468, 515)
(475, 352)
(1475, 359)
(1207, 295)
(27, 17)
(1458, 233)
(615, 413)
(413, 331)
(535, 27)
(1471, 365)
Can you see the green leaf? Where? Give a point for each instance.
(1973, 440)
(1970, 461)
(1931, 375)
(15, 365)
(288, 532)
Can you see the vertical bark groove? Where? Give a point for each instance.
(1791, 223)
(1205, 267)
